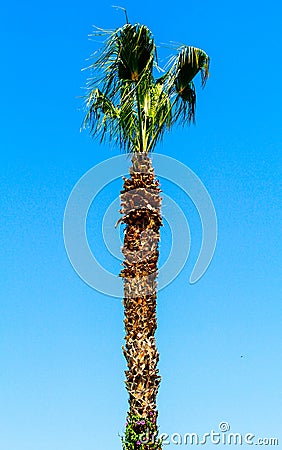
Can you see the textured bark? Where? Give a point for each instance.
(141, 210)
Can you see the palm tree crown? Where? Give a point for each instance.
(125, 103)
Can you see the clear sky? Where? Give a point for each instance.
(61, 373)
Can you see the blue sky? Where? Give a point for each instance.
(62, 367)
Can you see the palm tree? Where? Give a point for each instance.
(128, 105)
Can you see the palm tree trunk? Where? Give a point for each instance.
(141, 210)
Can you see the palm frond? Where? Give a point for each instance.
(159, 115)
(127, 52)
(101, 116)
(179, 81)
(136, 52)
(189, 62)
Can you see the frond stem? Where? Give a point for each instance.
(139, 117)
(161, 125)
